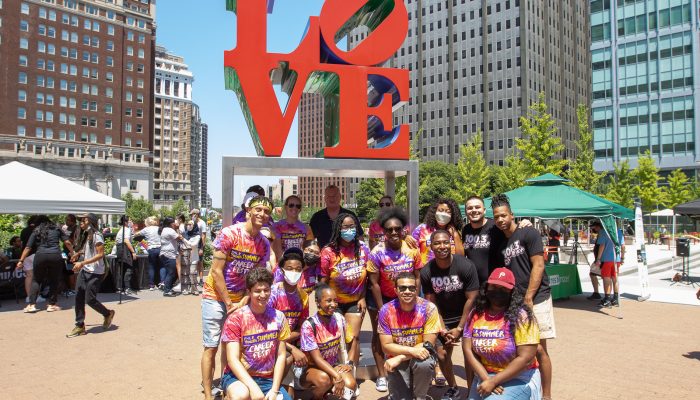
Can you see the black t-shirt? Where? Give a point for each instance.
(516, 253)
(478, 245)
(449, 285)
(322, 224)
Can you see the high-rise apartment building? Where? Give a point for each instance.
(644, 58)
(76, 95)
(478, 65)
(177, 146)
(311, 143)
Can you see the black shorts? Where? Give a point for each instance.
(372, 305)
(448, 326)
(348, 308)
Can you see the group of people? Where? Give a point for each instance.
(481, 283)
(72, 257)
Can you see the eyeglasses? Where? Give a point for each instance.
(297, 206)
(396, 229)
(403, 288)
(384, 204)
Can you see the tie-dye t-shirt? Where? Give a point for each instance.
(376, 232)
(259, 335)
(292, 235)
(307, 282)
(389, 263)
(493, 342)
(243, 253)
(408, 328)
(422, 235)
(295, 306)
(345, 275)
(326, 337)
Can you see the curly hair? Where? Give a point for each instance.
(258, 275)
(334, 243)
(391, 213)
(457, 220)
(512, 314)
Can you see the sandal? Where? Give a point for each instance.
(440, 380)
(30, 309)
(53, 307)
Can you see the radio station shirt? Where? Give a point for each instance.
(243, 253)
(422, 235)
(259, 335)
(326, 337)
(408, 328)
(494, 344)
(292, 235)
(345, 275)
(389, 263)
(295, 306)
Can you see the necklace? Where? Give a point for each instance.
(498, 314)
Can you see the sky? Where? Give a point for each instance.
(200, 32)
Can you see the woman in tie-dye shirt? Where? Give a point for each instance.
(500, 342)
(444, 214)
(344, 268)
(290, 232)
(254, 337)
(325, 337)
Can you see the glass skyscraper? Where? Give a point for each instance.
(644, 57)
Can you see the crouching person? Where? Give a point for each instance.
(254, 338)
(408, 327)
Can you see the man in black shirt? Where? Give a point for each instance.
(478, 236)
(322, 221)
(523, 254)
(452, 284)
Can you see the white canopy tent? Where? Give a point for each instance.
(27, 190)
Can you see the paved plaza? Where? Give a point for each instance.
(153, 351)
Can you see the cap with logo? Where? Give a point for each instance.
(502, 277)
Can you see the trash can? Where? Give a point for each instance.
(683, 247)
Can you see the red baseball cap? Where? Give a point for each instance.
(502, 277)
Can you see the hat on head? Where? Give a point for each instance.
(194, 211)
(91, 217)
(294, 250)
(248, 197)
(502, 277)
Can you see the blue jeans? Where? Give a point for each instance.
(526, 386)
(153, 265)
(265, 384)
(168, 271)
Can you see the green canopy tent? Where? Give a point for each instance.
(549, 197)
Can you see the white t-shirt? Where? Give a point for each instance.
(150, 233)
(127, 235)
(202, 226)
(98, 267)
(168, 243)
(194, 242)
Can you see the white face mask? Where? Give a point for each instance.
(442, 217)
(292, 277)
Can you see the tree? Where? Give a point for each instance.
(510, 176)
(138, 209)
(678, 190)
(621, 189)
(474, 172)
(368, 195)
(581, 172)
(648, 190)
(539, 144)
(179, 207)
(437, 180)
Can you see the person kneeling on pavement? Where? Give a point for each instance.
(408, 327)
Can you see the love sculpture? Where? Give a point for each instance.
(359, 95)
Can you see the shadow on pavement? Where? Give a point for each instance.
(692, 355)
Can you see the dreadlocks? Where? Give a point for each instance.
(335, 234)
(500, 200)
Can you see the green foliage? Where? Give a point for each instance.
(208, 254)
(648, 190)
(307, 213)
(179, 207)
(539, 144)
(621, 189)
(678, 190)
(138, 209)
(10, 225)
(581, 172)
(510, 176)
(371, 190)
(475, 174)
(437, 180)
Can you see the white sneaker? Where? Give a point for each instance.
(177, 288)
(382, 384)
(40, 299)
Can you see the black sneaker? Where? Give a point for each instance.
(594, 296)
(605, 303)
(614, 302)
(451, 394)
(169, 294)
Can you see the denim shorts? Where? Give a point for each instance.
(265, 384)
(526, 386)
(213, 318)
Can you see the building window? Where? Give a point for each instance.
(21, 130)
(25, 8)
(23, 43)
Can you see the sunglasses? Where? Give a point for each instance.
(384, 204)
(403, 288)
(297, 206)
(394, 229)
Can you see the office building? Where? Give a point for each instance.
(644, 57)
(76, 98)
